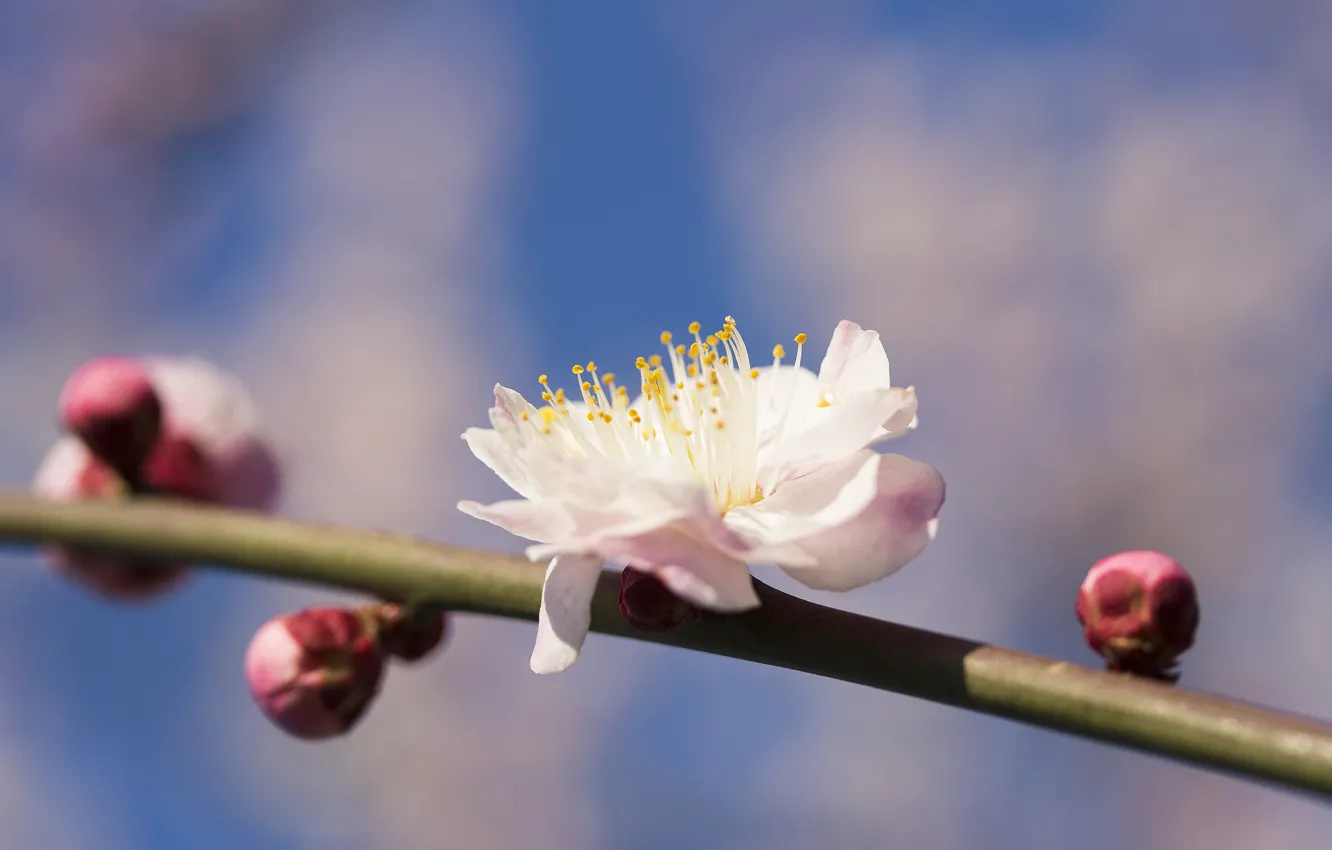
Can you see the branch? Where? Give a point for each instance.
(785, 632)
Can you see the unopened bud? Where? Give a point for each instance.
(110, 404)
(314, 672)
(1139, 611)
(649, 605)
(213, 447)
(409, 635)
(123, 579)
(171, 426)
(176, 467)
(71, 472)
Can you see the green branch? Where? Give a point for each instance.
(785, 632)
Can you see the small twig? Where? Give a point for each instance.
(1204, 730)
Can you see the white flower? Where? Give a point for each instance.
(715, 466)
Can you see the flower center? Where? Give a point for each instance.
(702, 415)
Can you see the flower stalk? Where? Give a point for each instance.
(1204, 730)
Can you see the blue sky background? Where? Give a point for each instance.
(1092, 234)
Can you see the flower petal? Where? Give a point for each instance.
(905, 419)
(643, 485)
(545, 520)
(202, 401)
(250, 476)
(778, 389)
(886, 533)
(694, 568)
(837, 431)
(566, 612)
(504, 458)
(565, 463)
(805, 507)
(855, 361)
(507, 446)
(507, 414)
(58, 476)
(807, 421)
(213, 410)
(722, 585)
(686, 544)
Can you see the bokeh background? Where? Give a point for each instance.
(1097, 237)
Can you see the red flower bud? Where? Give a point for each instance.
(110, 404)
(1139, 611)
(649, 605)
(214, 449)
(408, 635)
(170, 426)
(314, 672)
(176, 467)
(72, 472)
(123, 579)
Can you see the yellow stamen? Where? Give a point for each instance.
(695, 396)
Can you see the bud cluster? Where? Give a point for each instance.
(314, 673)
(175, 427)
(181, 428)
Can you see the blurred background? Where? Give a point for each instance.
(1094, 235)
